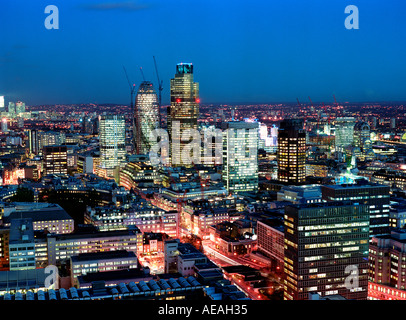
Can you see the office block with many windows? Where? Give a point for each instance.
(325, 243)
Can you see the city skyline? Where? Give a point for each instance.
(255, 46)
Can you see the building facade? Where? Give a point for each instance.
(321, 242)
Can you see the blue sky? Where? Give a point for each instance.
(243, 51)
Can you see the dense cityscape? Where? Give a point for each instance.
(200, 158)
(288, 201)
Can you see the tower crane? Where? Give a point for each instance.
(134, 112)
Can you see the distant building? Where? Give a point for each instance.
(321, 241)
(291, 155)
(146, 117)
(183, 110)
(112, 141)
(344, 133)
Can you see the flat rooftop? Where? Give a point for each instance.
(118, 254)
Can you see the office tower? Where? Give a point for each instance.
(344, 132)
(2, 103)
(19, 107)
(240, 156)
(375, 196)
(393, 123)
(362, 138)
(55, 160)
(112, 140)
(11, 108)
(33, 141)
(362, 135)
(291, 152)
(146, 117)
(326, 243)
(183, 111)
(21, 244)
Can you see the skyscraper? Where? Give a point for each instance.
(112, 140)
(240, 155)
(325, 243)
(374, 195)
(183, 111)
(291, 152)
(344, 132)
(146, 117)
(362, 139)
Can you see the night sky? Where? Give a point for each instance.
(242, 51)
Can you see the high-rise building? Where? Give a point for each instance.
(20, 107)
(291, 152)
(326, 243)
(55, 160)
(183, 111)
(146, 117)
(2, 103)
(240, 156)
(112, 140)
(4, 125)
(375, 196)
(11, 108)
(362, 139)
(344, 132)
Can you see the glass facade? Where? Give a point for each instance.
(184, 108)
(146, 117)
(240, 156)
(291, 154)
(112, 140)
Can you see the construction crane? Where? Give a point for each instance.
(336, 104)
(318, 121)
(142, 74)
(160, 87)
(134, 112)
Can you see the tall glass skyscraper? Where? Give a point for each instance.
(291, 154)
(240, 156)
(146, 117)
(112, 140)
(184, 108)
(344, 132)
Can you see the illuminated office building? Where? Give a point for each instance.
(324, 244)
(344, 132)
(146, 117)
(362, 139)
(55, 160)
(2, 103)
(375, 196)
(240, 156)
(183, 110)
(291, 154)
(112, 140)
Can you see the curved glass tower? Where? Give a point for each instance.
(146, 116)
